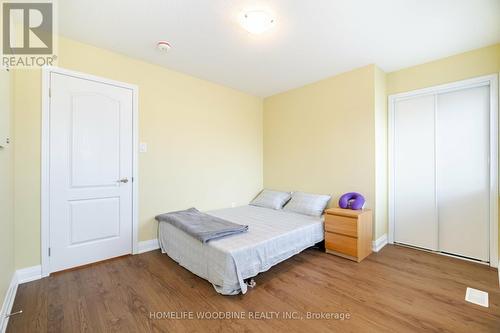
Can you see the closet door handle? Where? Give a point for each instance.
(123, 180)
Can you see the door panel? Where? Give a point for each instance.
(91, 149)
(415, 212)
(85, 226)
(463, 172)
(95, 134)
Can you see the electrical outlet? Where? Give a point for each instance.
(233, 204)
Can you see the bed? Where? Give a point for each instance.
(273, 236)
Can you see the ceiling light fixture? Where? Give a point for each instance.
(163, 46)
(257, 21)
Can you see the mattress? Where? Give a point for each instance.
(273, 236)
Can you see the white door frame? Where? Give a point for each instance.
(45, 165)
(492, 81)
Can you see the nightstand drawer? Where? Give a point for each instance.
(341, 225)
(340, 243)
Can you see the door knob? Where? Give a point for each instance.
(124, 180)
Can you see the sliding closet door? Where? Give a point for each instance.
(463, 171)
(415, 212)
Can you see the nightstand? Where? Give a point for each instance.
(348, 233)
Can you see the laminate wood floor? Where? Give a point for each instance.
(396, 290)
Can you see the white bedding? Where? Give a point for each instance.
(273, 236)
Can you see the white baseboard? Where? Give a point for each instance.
(379, 243)
(29, 274)
(149, 245)
(8, 302)
(20, 276)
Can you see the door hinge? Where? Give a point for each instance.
(49, 251)
(50, 92)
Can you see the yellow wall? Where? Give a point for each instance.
(320, 138)
(331, 136)
(204, 141)
(6, 189)
(381, 162)
(458, 67)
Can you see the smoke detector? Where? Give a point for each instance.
(163, 46)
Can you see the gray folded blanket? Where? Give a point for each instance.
(200, 225)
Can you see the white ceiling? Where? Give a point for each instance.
(312, 39)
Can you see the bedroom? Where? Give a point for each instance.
(224, 99)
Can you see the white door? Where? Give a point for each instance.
(463, 134)
(415, 210)
(441, 170)
(91, 155)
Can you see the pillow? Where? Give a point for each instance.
(307, 204)
(271, 199)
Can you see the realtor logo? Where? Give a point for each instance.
(28, 34)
